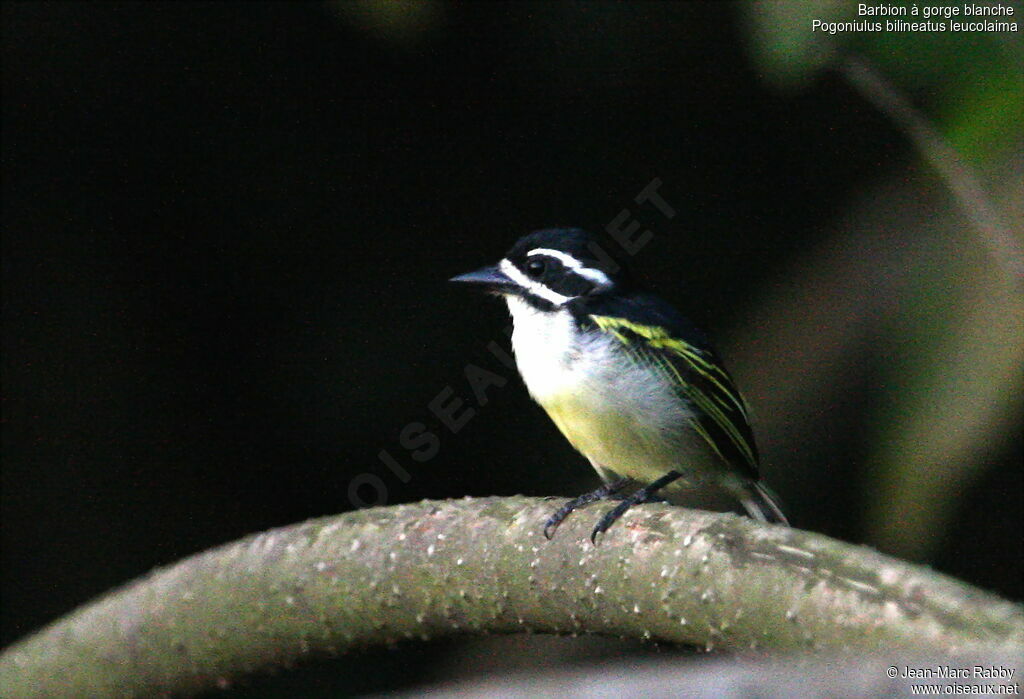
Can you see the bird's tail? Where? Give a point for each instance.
(761, 503)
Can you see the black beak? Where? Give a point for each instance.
(490, 278)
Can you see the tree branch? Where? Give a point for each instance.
(482, 565)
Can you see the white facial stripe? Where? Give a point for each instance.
(594, 275)
(534, 287)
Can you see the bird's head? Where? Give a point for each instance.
(551, 267)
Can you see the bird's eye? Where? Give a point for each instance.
(535, 268)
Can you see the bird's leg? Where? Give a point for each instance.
(606, 490)
(645, 494)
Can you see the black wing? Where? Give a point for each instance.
(655, 334)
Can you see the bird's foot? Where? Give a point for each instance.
(645, 494)
(602, 493)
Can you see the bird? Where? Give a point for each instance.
(633, 385)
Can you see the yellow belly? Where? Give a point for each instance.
(628, 444)
(619, 413)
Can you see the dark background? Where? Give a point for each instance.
(227, 230)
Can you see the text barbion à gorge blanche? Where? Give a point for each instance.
(967, 17)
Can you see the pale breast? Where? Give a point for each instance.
(618, 412)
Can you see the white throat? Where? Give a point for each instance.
(544, 343)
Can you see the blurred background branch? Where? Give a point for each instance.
(811, 675)
(987, 222)
(927, 293)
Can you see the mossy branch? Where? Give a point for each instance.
(482, 565)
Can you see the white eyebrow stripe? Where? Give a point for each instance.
(594, 275)
(538, 289)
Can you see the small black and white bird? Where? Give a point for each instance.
(632, 385)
